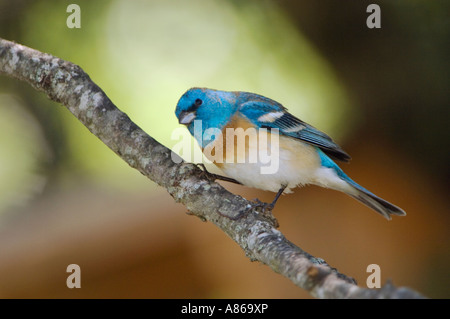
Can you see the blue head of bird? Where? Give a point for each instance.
(200, 109)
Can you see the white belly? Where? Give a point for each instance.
(295, 165)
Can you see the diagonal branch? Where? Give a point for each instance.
(255, 232)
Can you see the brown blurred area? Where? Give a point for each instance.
(124, 251)
(143, 245)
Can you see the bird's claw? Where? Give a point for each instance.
(213, 177)
(204, 172)
(265, 209)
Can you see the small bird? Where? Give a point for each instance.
(304, 153)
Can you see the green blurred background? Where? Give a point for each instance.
(383, 94)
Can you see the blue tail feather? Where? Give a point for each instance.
(363, 195)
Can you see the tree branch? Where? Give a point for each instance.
(253, 231)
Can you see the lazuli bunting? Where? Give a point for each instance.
(302, 153)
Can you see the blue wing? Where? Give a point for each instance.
(266, 113)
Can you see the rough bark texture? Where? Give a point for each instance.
(255, 232)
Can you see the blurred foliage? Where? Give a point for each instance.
(398, 75)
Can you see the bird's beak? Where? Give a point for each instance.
(186, 118)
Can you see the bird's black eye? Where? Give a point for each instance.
(198, 102)
(195, 105)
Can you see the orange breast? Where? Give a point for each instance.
(238, 136)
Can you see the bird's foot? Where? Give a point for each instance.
(204, 172)
(213, 177)
(265, 209)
